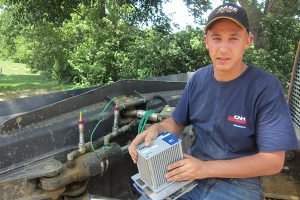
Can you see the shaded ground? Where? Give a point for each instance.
(18, 81)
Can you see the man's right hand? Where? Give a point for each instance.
(151, 133)
(146, 136)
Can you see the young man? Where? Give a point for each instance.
(239, 115)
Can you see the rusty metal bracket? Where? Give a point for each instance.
(48, 168)
(83, 167)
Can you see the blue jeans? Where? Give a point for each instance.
(226, 189)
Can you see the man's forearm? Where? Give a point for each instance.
(168, 125)
(260, 164)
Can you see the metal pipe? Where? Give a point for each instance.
(94, 197)
(123, 129)
(139, 114)
(81, 144)
(101, 141)
(116, 119)
(129, 113)
(125, 149)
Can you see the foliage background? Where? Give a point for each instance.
(95, 42)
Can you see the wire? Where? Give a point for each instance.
(100, 120)
(144, 120)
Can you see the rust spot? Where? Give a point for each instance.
(18, 120)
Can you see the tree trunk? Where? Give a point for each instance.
(255, 16)
(102, 9)
(281, 7)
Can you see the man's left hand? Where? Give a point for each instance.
(190, 168)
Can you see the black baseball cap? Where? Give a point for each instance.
(229, 11)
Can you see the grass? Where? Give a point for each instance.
(19, 81)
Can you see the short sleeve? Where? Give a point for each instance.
(275, 131)
(181, 113)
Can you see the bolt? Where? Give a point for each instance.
(49, 166)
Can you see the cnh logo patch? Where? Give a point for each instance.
(237, 119)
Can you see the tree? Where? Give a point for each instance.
(56, 11)
(97, 41)
(34, 11)
(257, 13)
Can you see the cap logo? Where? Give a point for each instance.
(228, 9)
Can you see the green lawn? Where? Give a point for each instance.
(18, 81)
